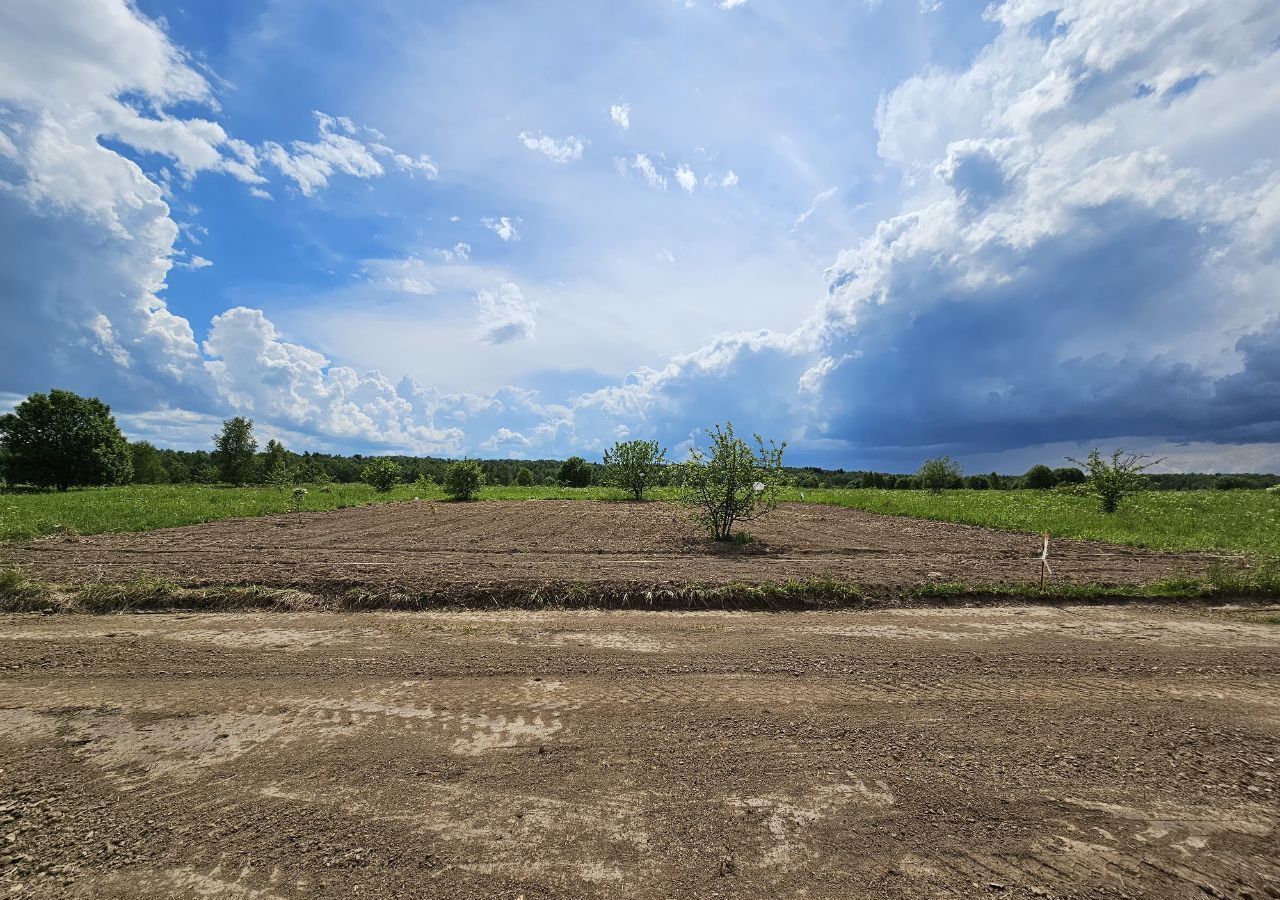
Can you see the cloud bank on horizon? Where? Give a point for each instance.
(879, 231)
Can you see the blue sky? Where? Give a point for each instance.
(878, 230)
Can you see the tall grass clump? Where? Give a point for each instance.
(19, 594)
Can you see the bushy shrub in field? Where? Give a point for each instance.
(381, 474)
(574, 472)
(634, 466)
(1274, 489)
(1068, 475)
(423, 483)
(1072, 490)
(1039, 478)
(463, 479)
(977, 483)
(524, 478)
(311, 472)
(730, 482)
(61, 439)
(235, 451)
(1111, 481)
(939, 473)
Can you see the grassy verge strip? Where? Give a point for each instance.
(19, 594)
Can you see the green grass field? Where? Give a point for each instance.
(1242, 521)
(145, 507)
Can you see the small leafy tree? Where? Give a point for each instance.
(731, 482)
(382, 474)
(939, 473)
(634, 466)
(574, 472)
(524, 478)
(147, 468)
(463, 479)
(1111, 481)
(235, 451)
(1039, 478)
(313, 472)
(61, 439)
(277, 470)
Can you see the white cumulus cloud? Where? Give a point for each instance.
(340, 149)
(505, 315)
(642, 164)
(503, 226)
(564, 150)
(686, 178)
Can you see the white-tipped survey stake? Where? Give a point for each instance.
(1044, 559)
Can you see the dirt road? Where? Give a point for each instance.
(1003, 752)
(461, 552)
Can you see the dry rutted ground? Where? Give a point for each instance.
(465, 552)
(1005, 752)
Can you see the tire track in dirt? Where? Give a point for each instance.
(642, 755)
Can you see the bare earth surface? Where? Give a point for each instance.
(1001, 751)
(456, 550)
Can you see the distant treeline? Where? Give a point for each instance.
(61, 440)
(152, 465)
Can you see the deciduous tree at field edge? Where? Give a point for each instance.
(634, 466)
(575, 472)
(463, 479)
(940, 473)
(235, 451)
(61, 439)
(1039, 478)
(147, 468)
(382, 474)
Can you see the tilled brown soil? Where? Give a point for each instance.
(1098, 752)
(455, 550)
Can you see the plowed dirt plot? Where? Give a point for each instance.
(998, 751)
(455, 550)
